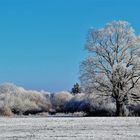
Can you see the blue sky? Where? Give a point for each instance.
(42, 41)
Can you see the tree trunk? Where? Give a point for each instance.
(119, 108)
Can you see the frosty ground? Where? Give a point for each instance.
(67, 128)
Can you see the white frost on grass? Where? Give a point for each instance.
(70, 128)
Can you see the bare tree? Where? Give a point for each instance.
(113, 67)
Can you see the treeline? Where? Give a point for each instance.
(18, 101)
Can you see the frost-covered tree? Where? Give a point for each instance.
(60, 99)
(17, 100)
(113, 67)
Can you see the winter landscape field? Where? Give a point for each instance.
(69, 70)
(68, 128)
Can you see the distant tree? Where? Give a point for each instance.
(113, 67)
(76, 89)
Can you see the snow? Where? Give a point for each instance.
(67, 128)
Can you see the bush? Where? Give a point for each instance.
(21, 101)
(6, 111)
(91, 105)
(134, 110)
(76, 104)
(59, 100)
(100, 106)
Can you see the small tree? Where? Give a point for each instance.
(113, 68)
(76, 89)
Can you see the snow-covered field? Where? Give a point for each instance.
(67, 128)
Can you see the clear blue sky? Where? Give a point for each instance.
(42, 41)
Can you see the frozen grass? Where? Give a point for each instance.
(70, 128)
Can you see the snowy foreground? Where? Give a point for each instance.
(67, 128)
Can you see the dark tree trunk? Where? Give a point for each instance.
(119, 104)
(119, 108)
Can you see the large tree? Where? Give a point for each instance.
(113, 67)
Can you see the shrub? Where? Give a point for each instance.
(76, 103)
(134, 110)
(91, 105)
(100, 106)
(59, 100)
(21, 101)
